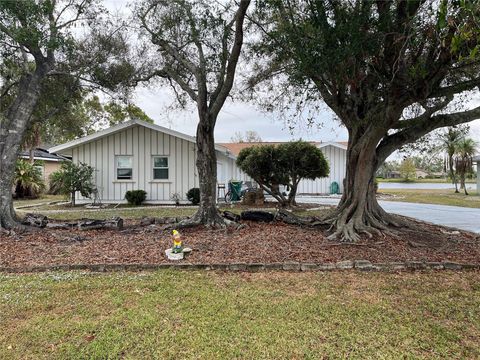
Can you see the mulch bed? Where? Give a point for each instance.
(255, 243)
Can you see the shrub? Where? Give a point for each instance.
(28, 179)
(136, 197)
(285, 164)
(193, 195)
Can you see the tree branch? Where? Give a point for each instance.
(232, 60)
(457, 88)
(420, 127)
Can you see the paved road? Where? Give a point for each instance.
(453, 216)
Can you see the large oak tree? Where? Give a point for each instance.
(198, 45)
(389, 70)
(44, 43)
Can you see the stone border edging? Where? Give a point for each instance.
(362, 265)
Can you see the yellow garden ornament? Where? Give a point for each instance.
(177, 242)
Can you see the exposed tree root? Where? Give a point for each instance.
(349, 222)
(213, 220)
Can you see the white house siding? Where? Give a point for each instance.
(336, 158)
(230, 171)
(142, 143)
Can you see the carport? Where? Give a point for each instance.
(477, 160)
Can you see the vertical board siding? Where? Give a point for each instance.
(142, 144)
(336, 158)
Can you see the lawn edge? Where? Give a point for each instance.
(359, 265)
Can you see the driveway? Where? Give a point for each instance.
(453, 216)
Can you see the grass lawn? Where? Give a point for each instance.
(43, 199)
(122, 212)
(437, 196)
(436, 181)
(208, 315)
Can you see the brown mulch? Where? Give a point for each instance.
(255, 243)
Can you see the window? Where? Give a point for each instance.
(160, 168)
(124, 167)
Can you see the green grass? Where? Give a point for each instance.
(203, 315)
(108, 213)
(43, 199)
(436, 181)
(437, 196)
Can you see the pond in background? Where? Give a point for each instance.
(402, 185)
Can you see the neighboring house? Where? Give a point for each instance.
(47, 162)
(393, 174)
(335, 153)
(420, 174)
(437, 175)
(139, 155)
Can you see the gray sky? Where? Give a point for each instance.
(240, 116)
(235, 116)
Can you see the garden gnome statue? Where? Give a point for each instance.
(177, 242)
(176, 251)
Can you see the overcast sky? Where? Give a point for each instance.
(239, 116)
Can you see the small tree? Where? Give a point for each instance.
(464, 160)
(286, 164)
(449, 142)
(72, 178)
(408, 170)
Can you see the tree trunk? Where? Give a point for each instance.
(462, 182)
(292, 194)
(358, 211)
(207, 213)
(12, 131)
(452, 172)
(32, 156)
(72, 198)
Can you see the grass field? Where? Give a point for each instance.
(437, 196)
(207, 315)
(435, 181)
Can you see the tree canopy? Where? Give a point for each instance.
(50, 50)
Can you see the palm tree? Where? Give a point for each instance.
(466, 149)
(28, 179)
(449, 141)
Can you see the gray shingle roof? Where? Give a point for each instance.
(42, 154)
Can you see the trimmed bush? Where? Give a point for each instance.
(193, 195)
(136, 197)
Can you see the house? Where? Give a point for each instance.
(393, 174)
(334, 152)
(47, 162)
(420, 174)
(139, 155)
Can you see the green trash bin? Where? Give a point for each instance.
(236, 189)
(334, 188)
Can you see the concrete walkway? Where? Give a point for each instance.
(452, 216)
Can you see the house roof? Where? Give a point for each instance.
(235, 148)
(126, 125)
(42, 154)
